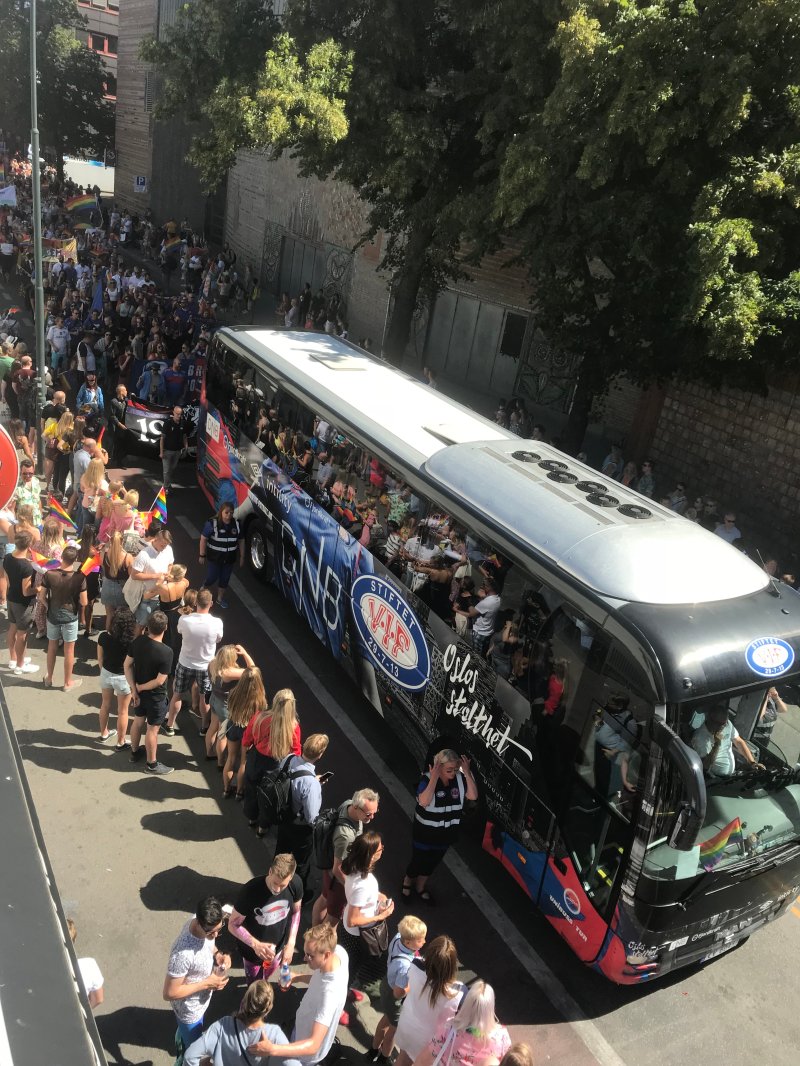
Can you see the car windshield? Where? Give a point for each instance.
(749, 743)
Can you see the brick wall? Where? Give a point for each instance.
(740, 448)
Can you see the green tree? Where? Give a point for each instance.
(384, 95)
(73, 116)
(653, 174)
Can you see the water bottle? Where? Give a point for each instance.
(285, 978)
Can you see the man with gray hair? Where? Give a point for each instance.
(350, 819)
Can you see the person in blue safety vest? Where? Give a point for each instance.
(221, 542)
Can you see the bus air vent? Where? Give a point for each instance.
(602, 499)
(633, 510)
(590, 486)
(553, 464)
(526, 457)
(563, 477)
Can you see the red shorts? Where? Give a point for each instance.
(333, 891)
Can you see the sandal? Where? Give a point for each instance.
(239, 797)
(405, 890)
(228, 792)
(426, 897)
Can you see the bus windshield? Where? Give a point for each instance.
(749, 743)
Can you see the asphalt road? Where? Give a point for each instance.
(132, 854)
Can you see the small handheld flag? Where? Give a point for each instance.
(711, 850)
(55, 509)
(100, 436)
(43, 562)
(86, 202)
(172, 244)
(159, 508)
(91, 565)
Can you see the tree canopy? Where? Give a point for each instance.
(654, 180)
(73, 116)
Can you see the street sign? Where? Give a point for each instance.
(140, 183)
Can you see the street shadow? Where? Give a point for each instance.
(168, 790)
(137, 1027)
(185, 824)
(85, 723)
(180, 888)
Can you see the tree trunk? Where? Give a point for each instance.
(405, 291)
(578, 419)
(60, 163)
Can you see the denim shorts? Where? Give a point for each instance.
(144, 610)
(111, 593)
(67, 631)
(117, 682)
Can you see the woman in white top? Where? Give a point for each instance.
(432, 1000)
(366, 908)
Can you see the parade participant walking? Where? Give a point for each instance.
(365, 935)
(432, 999)
(221, 543)
(272, 734)
(227, 1042)
(322, 1004)
(472, 1036)
(173, 444)
(351, 817)
(147, 667)
(440, 803)
(195, 970)
(116, 566)
(201, 632)
(404, 947)
(305, 799)
(20, 597)
(64, 592)
(112, 649)
(266, 916)
(223, 673)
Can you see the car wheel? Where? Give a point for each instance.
(259, 551)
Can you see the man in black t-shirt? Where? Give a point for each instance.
(54, 408)
(147, 668)
(265, 918)
(20, 572)
(64, 592)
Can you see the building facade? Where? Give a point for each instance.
(102, 36)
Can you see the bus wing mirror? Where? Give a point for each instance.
(691, 812)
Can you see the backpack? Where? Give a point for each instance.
(274, 793)
(322, 834)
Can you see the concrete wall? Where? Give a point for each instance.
(134, 143)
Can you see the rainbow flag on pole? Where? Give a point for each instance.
(91, 565)
(55, 509)
(85, 202)
(100, 436)
(711, 850)
(159, 508)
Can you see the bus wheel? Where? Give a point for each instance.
(258, 550)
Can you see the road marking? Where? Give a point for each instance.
(535, 965)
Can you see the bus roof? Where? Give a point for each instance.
(609, 538)
(405, 415)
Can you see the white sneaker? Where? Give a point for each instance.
(27, 668)
(12, 665)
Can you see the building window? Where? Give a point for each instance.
(104, 43)
(110, 85)
(513, 335)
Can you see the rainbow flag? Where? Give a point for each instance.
(85, 202)
(159, 508)
(91, 565)
(55, 509)
(43, 562)
(711, 850)
(100, 436)
(172, 243)
(79, 227)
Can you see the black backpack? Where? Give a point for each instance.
(274, 793)
(324, 828)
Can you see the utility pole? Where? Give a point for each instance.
(36, 181)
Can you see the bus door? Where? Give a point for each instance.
(591, 748)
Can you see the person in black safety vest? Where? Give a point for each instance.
(221, 542)
(440, 803)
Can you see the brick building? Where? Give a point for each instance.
(102, 36)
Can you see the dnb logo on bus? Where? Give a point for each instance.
(391, 633)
